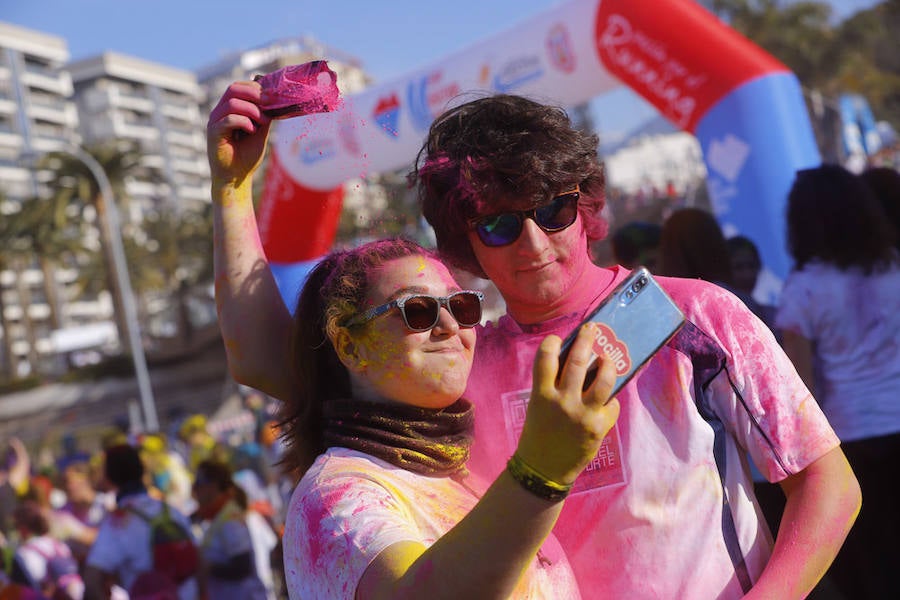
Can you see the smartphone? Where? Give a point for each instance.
(635, 320)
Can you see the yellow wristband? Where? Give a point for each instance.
(535, 482)
(22, 488)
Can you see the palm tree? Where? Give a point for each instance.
(24, 293)
(16, 257)
(7, 365)
(179, 244)
(72, 179)
(52, 235)
(10, 242)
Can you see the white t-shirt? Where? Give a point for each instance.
(350, 506)
(122, 546)
(853, 321)
(264, 541)
(34, 557)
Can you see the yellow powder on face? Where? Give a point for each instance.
(434, 375)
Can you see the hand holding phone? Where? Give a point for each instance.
(565, 423)
(633, 322)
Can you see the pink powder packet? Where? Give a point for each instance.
(299, 90)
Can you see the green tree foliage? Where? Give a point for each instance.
(866, 59)
(174, 255)
(858, 55)
(53, 233)
(73, 182)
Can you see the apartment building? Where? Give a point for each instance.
(121, 97)
(48, 103)
(37, 115)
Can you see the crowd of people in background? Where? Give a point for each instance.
(83, 528)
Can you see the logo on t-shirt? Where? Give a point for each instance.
(613, 347)
(606, 469)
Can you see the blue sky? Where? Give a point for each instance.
(389, 37)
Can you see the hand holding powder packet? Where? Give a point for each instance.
(299, 90)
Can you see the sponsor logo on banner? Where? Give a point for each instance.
(428, 96)
(317, 150)
(347, 133)
(725, 158)
(387, 114)
(607, 343)
(559, 48)
(606, 469)
(516, 73)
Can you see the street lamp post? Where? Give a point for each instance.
(114, 234)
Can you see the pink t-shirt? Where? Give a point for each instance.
(666, 509)
(350, 506)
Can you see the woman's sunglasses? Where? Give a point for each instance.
(421, 312)
(505, 228)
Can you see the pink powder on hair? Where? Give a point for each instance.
(441, 164)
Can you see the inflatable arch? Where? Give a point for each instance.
(744, 106)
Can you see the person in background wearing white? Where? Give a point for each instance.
(840, 316)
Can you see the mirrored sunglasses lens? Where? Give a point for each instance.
(560, 213)
(421, 312)
(466, 308)
(499, 230)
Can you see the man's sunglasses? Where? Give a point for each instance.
(505, 228)
(421, 312)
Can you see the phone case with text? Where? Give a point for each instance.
(635, 320)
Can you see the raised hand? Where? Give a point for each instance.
(236, 133)
(20, 469)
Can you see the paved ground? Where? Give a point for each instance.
(198, 382)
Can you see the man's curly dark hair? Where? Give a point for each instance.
(503, 149)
